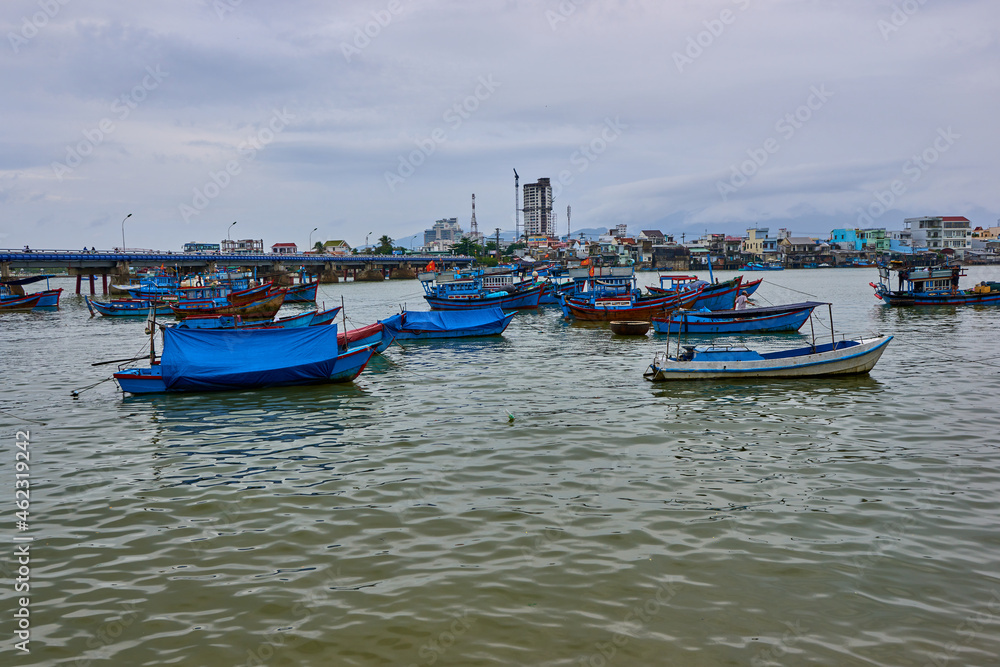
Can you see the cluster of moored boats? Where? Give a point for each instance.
(227, 334)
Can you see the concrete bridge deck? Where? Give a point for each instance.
(327, 268)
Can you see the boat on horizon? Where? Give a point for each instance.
(936, 285)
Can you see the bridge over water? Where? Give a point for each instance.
(327, 268)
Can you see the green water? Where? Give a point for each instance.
(521, 500)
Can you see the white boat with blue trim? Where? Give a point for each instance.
(723, 362)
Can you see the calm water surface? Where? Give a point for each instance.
(521, 500)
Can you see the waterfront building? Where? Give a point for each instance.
(445, 233)
(759, 244)
(940, 233)
(242, 247)
(284, 248)
(538, 208)
(337, 247)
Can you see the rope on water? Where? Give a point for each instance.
(24, 419)
(76, 393)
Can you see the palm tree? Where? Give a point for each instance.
(384, 246)
(319, 248)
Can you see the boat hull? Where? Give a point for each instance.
(849, 358)
(126, 307)
(750, 320)
(421, 326)
(150, 381)
(262, 309)
(301, 293)
(526, 299)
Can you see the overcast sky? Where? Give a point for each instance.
(382, 116)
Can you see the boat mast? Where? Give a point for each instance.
(833, 340)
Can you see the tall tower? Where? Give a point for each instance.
(517, 208)
(538, 208)
(473, 227)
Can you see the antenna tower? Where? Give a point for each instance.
(473, 227)
(517, 209)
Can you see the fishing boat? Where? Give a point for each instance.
(715, 362)
(713, 296)
(303, 293)
(222, 359)
(461, 292)
(767, 319)
(410, 324)
(126, 307)
(325, 316)
(711, 362)
(374, 335)
(20, 303)
(237, 322)
(264, 308)
(762, 266)
(12, 288)
(750, 286)
(604, 306)
(931, 286)
(628, 327)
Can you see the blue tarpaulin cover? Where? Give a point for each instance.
(448, 323)
(231, 358)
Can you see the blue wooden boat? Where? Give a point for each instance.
(325, 316)
(713, 296)
(222, 359)
(410, 324)
(469, 292)
(931, 286)
(767, 319)
(20, 303)
(375, 336)
(236, 322)
(126, 307)
(47, 298)
(304, 293)
(762, 266)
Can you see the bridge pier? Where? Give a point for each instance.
(328, 274)
(369, 274)
(402, 272)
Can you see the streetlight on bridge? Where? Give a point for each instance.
(309, 249)
(227, 230)
(366, 241)
(123, 230)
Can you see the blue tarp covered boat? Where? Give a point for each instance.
(218, 359)
(448, 323)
